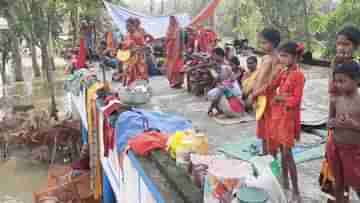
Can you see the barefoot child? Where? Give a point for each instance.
(285, 111)
(343, 148)
(347, 42)
(269, 41)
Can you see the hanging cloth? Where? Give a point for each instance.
(82, 54)
(205, 13)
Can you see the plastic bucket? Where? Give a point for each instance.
(252, 195)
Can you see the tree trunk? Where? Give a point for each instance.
(151, 6)
(44, 59)
(306, 25)
(46, 67)
(75, 24)
(35, 63)
(162, 7)
(50, 54)
(17, 59)
(3, 72)
(15, 44)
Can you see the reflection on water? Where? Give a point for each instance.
(34, 90)
(19, 179)
(19, 176)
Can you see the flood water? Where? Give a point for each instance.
(20, 177)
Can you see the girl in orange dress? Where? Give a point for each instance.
(285, 111)
(135, 42)
(269, 40)
(174, 47)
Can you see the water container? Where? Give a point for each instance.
(252, 195)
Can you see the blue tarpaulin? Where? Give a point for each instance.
(131, 123)
(154, 25)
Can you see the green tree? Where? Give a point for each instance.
(327, 25)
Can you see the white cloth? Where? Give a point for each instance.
(216, 92)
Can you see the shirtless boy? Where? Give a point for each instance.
(343, 148)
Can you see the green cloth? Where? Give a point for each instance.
(73, 82)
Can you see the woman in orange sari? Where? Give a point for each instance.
(174, 61)
(135, 42)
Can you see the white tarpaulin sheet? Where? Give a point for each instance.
(155, 25)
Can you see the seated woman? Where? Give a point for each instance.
(249, 79)
(106, 56)
(225, 82)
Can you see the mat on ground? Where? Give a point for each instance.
(250, 147)
(232, 121)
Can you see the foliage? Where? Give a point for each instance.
(346, 13)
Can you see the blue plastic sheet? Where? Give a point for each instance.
(131, 123)
(154, 25)
(108, 194)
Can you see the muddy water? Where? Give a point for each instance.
(20, 177)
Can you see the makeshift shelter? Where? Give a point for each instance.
(157, 25)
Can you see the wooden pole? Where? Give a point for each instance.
(151, 6)
(162, 7)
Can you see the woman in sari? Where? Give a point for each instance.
(269, 39)
(174, 61)
(135, 43)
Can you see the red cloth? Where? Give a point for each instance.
(109, 132)
(285, 116)
(205, 13)
(263, 126)
(109, 40)
(206, 40)
(138, 69)
(344, 160)
(235, 104)
(82, 54)
(148, 141)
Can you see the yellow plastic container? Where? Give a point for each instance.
(176, 140)
(200, 144)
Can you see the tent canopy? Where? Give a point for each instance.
(156, 26)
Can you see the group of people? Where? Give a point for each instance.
(179, 41)
(280, 80)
